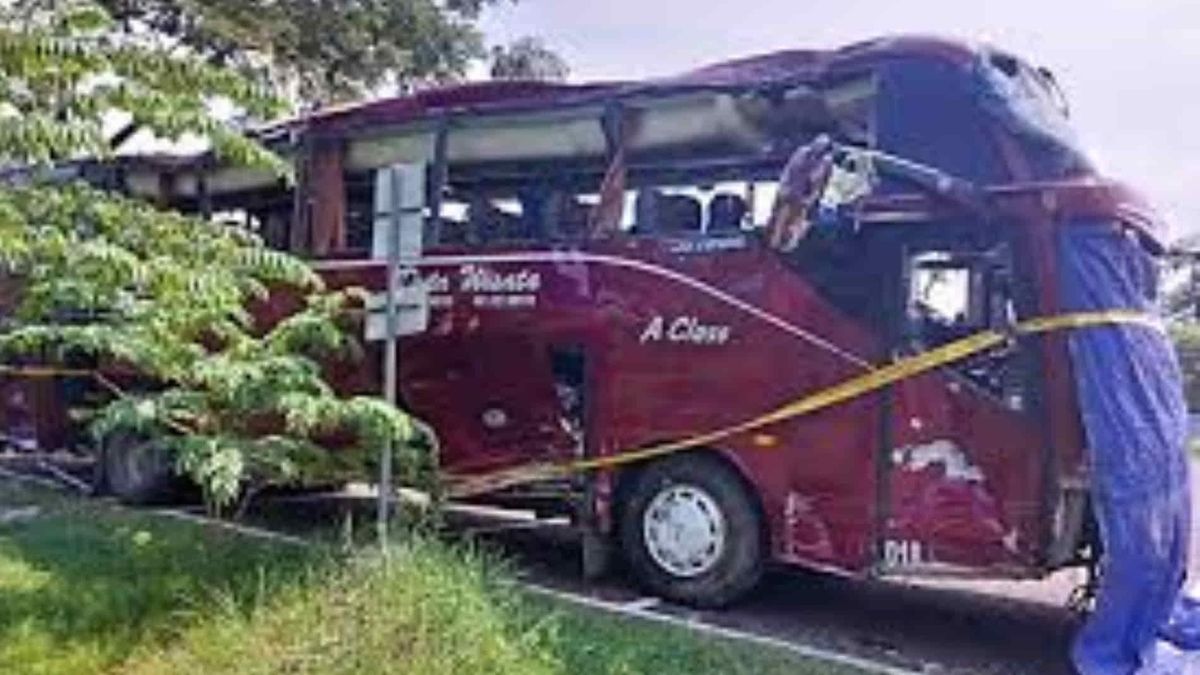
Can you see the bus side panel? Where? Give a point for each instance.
(482, 373)
(685, 361)
(963, 480)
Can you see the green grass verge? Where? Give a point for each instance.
(82, 585)
(86, 588)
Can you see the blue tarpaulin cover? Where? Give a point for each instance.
(1135, 422)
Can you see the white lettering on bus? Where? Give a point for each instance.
(684, 330)
(653, 331)
(437, 282)
(902, 553)
(479, 279)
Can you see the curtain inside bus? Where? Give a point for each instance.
(1134, 418)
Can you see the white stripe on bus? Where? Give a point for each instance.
(618, 261)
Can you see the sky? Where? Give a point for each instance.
(1130, 68)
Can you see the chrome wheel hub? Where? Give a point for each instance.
(684, 530)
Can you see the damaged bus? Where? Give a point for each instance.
(875, 364)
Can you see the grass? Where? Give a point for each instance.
(86, 588)
(81, 585)
(432, 610)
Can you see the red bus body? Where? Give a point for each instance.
(851, 489)
(665, 337)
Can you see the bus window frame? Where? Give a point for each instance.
(940, 236)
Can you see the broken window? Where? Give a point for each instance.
(956, 294)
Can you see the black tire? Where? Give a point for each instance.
(731, 568)
(137, 471)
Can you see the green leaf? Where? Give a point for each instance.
(94, 279)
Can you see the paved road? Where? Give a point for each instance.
(952, 627)
(920, 626)
(945, 626)
(959, 626)
(993, 628)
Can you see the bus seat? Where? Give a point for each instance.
(682, 213)
(490, 224)
(570, 219)
(453, 232)
(726, 212)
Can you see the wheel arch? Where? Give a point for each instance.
(625, 479)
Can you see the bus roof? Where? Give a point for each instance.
(717, 105)
(928, 113)
(788, 67)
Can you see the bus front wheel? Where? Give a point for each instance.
(690, 531)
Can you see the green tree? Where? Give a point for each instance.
(1186, 336)
(103, 280)
(320, 50)
(528, 59)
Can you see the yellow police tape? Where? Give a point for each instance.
(872, 380)
(875, 379)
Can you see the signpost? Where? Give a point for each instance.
(397, 237)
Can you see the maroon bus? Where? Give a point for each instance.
(602, 282)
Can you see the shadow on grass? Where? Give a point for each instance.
(82, 584)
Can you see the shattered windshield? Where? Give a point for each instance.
(1030, 104)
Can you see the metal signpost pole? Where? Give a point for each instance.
(390, 353)
(403, 309)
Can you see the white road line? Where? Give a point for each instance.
(236, 528)
(500, 529)
(64, 477)
(32, 480)
(642, 604)
(804, 651)
(636, 609)
(246, 530)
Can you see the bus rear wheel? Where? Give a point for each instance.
(690, 532)
(137, 471)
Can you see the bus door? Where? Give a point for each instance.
(962, 457)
